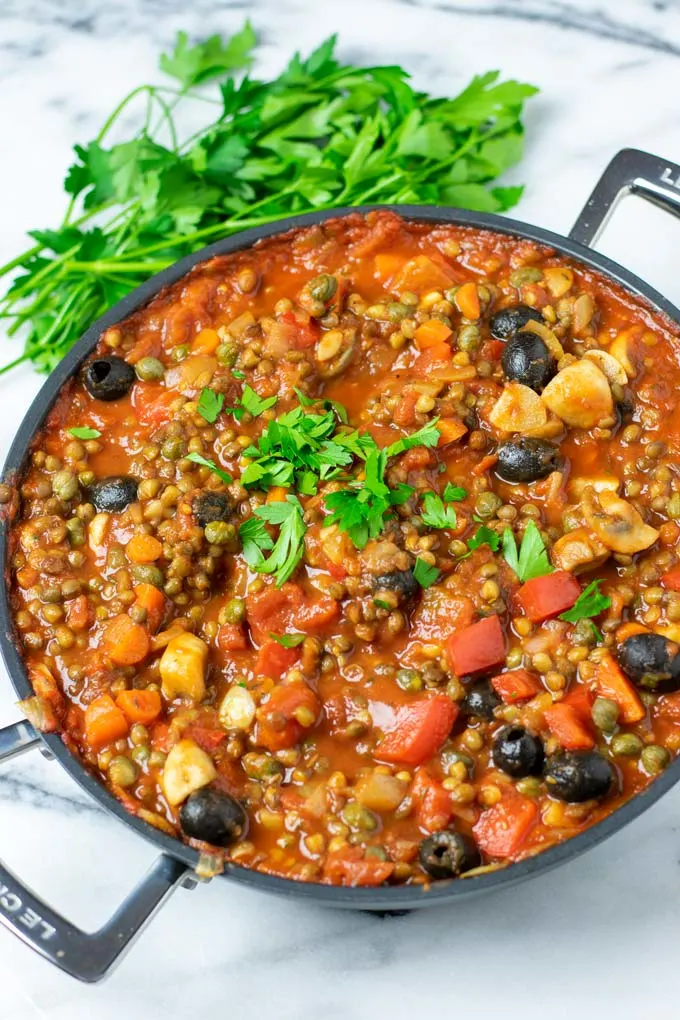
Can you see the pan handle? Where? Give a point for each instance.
(84, 955)
(631, 172)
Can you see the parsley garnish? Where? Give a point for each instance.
(286, 552)
(211, 465)
(288, 640)
(435, 514)
(532, 560)
(359, 510)
(427, 436)
(453, 493)
(210, 404)
(84, 432)
(320, 133)
(381, 604)
(591, 602)
(238, 374)
(424, 573)
(484, 536)
(255, 404)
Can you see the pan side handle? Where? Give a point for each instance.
(87, 956)
(631, 172)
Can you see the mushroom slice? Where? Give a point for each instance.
(624, 348)
(578, 550)
(617, 523)
(518, 409)
(579, 395)
(578, 485)
(612, 368)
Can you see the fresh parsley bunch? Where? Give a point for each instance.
(321, 135)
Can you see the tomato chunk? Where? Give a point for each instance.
(433, 804)
(480, 646)
(279, 610)
(273, 659)
(671, 579)
(231, 637)
(543, 597)
(501, 829)
(348, 868)
(565, 723)
(517, 685)
(419, 731)
(289, 710)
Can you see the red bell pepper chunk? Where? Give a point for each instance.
(420, 730)
(480, 646)
(348, 868)
(671, 579)
(565, 723)
(278, 610)
(516, 685)
(434, 808)
(231, 637)
(546, 596)
(501, 829)
(581, 700)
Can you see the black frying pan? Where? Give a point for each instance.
(90, 956)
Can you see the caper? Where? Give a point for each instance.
(410, 680)
(262, 766)
(359, 817)
(469, 338)
(323, 287)
(179, 353)
(605, 714)
(172, 448)
(76, 531)
(655, 758)
(122, 771)
(65, 485)
(140, 754)
(525, 274)
(487, 504)
(626, 745)
(219, 532)
(233, 612)
(139, 734)
(530, 786)
(226, 355)
(147, 574)
(396, 311)
(149, 369)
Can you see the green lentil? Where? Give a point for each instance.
(358, 817)
(487, 503)
(219, 532)
(233, 612)
(144, 573)
(655, 758)
(410, 680)
(122, 771)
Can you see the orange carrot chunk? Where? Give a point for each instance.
(144, 549)
(104, 722)
(467, 300)
(140, 706)
(432, 332)
(126, 642)
(153, 600)
(612, 683)
(450, 429)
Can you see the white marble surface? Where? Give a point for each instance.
(601, 931)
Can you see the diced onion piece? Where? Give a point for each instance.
(237, 710)
(584, 309)
(546, 335)
(617, 523)
(209, 865)
(558, 280)
(97, 530)
(182, 667)
(192, 374)
(187, 768)
(158, 821)
(518, 409)
(579, 395)
(380, 792)
(39, 713)
(578, 550)
(612, 368)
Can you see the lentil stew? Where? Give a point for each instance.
(352, 557)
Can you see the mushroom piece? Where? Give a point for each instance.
(578, 550)
(579, 395)
(617, 523)
(518, 409)
(608, 364)
(578, 485)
